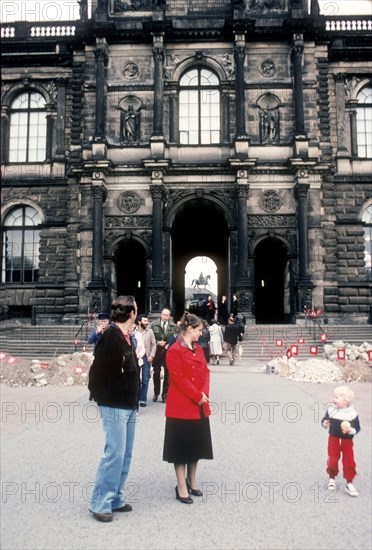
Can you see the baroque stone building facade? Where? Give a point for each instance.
(149, 132)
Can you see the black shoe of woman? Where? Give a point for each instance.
(184, 500)
(193, 492)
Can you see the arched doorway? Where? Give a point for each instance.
(272, 300)
(130, 258)
(199, 229)
(201, 281)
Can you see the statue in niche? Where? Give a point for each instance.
(265, 4)
(269, 125)
(130, 123)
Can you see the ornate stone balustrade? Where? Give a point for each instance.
(32, 30)
(348, 24)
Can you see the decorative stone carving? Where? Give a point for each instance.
(171, 62)
(264, 5)
(267, 68)
(129, 202)
(270, 201)
(130, 70)
(350, 85)
(228, 66)
(272, 221)
(128, 221)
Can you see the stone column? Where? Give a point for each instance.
(60, 122)
(301, 191)
(342, 148)
(101, 62)
(173, 117)
(298, 92)
(99, 193)
(239, 56)
(352, 105)
(50, 127)
(158, 54)
(157, 232)
(242, 191)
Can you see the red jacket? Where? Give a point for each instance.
(189, 376)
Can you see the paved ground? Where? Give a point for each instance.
(263, 490)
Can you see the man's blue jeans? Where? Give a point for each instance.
(145, 378)
(119, 426)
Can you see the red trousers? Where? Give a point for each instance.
(335, 447)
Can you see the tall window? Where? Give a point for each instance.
(21, 236)
(27, 142)
(367, 222)
(364, 123)
(199, 107)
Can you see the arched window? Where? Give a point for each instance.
(367, 223)
(21, 236)
(27, 139)
(199, 107)
(364, 123)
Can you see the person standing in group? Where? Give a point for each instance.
(164, 328)
(149, 342)
(231, 335)
(103, 324)
(215, 342)
(187, 432)
(343, 423)
(234, 305)
(114, 384)
(209, 309)
(203, 341)
(223, 313)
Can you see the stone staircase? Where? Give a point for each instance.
(46, 341)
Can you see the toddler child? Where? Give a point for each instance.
(343, 424)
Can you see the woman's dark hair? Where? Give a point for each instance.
(189, 320)
(122, 307)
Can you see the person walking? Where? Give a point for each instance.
(234, 305)
(149, 342)
(187, 436)
(209, 309)
(231, 335)
(114, 385)
(164, 328)
(203, 341)
(215, 342)
(342, 421)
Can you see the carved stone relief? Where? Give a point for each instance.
(270, 201)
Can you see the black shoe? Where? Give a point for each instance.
(142, 404)
(184, 500)
(125, 508)
(193, 492)
(155, 398)
(102, 517)
(164, 398)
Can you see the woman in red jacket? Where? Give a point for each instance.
(187, 432)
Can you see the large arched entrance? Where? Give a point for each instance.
(272, 289)
(130, 259)
(199, 229)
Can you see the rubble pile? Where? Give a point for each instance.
(355, 368)
(64, 370)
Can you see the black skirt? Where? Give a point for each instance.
(187, 441)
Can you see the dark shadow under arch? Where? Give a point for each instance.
(130, 259)
(271, 257)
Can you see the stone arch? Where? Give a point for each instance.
(22, 86)
(18, 203)
(200, 61)
(190, 199)
(359, 87)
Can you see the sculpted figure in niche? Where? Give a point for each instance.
(269, 125)
(265, 4)
(130, 125)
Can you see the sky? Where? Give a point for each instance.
(62, 10)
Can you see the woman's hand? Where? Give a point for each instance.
(204, 399)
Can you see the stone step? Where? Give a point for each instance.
(260, 341)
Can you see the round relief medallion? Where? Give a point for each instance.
(270, 201)
(130, 70)
(267, 68)
(129, 202)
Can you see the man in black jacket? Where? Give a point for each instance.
(231, 335)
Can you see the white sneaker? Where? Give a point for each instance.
(350, 489)
(331, 484)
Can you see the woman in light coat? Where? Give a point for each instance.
(215, 342)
